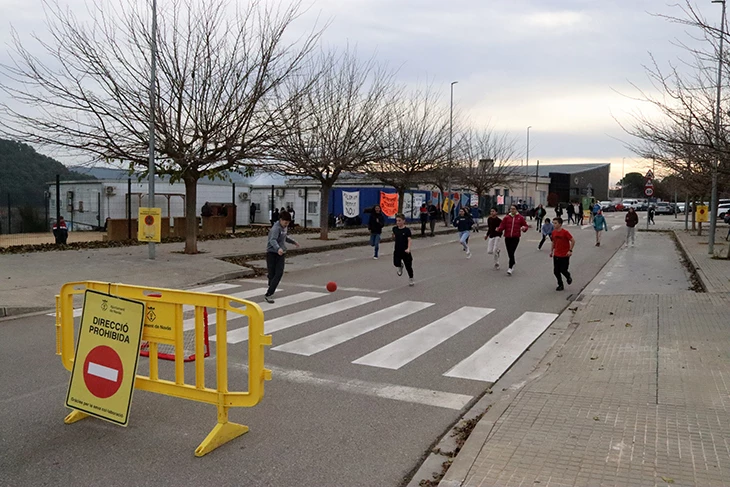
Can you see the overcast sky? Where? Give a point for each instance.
(563, 67)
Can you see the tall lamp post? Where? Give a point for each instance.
(623, 175)
(527, 161)
(151, 163)
(451, 133)
(715, 161)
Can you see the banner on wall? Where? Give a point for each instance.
(350, 203)
(389, 203)
(448, 204)
(412, 204)
(500, 199)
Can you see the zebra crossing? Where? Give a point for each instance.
(486, 364)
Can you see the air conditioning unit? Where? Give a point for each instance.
(243, 196)
(279, 193)
(109, 190)
(301, 193)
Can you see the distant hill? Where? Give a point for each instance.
(24, 174)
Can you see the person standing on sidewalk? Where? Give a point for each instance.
(423, 215)
(493, 236)
(463, 224)
(275, 252)
(563, 243)
(570, 210)
(650, 214)
(512, 227)
(540, 214)
(632, 219)
(402, 250)
(433, 214)
(375, 225)
(547, 232)
(599, 225)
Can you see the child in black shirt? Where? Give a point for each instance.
(402, 252)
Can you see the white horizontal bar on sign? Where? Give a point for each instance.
(294, 319)
(102, 371)
(189, 324)
(493, 359)
(330, 337)
(395, 355)
(279, 303)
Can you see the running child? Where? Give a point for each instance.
(402, 252)
(563, 243)
(513, 225)
(275, 250)
(493, 236)
(463, 224)
(547, 232)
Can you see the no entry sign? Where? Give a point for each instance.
(106, 357)
(103, 371)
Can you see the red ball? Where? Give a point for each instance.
(331, 286)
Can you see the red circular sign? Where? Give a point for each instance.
(648, 191)
(149, 220)
(103, 372)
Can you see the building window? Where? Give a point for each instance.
(313, 207)
(496, 192)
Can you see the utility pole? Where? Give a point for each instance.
(527, 161)
(151, 163)
(716, 159)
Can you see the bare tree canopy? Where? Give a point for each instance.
(216, 75)
(484, 160)
(415, 142)
(335, 123)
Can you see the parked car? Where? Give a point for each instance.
(723, 210)
(664, 208)
(607, 206)
(626, 204)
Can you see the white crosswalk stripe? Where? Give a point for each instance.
(279, 303)
(212, 288)
(493, 359)
(330, 337)
(294, 319)
(397, 354)
(615, 227)
(189, 324)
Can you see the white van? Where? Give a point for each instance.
(629, 204)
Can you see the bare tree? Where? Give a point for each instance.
(414, 144)
(216, 74)
(485, 160)
(336, 122)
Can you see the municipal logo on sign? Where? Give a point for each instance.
(103, 372)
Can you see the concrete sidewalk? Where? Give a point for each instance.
(635, 394)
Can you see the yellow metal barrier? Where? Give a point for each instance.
(164, 325)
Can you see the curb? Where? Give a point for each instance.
(692, 262)
(13, 312)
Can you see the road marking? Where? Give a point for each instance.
(493, 359)
(203, 289)
(279, 303)
(316, 286)
(330, 337)
(395, 355)
(414, 395)
(294, 319)
(583, 227)
(189, 324)
(102, 371)
(615, 227)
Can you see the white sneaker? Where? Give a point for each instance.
(410, 282)
(509, 271)
(375, 257)
(468, 254)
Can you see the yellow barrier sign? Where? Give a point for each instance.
(702, 214)
(105, 363)
(149, 225)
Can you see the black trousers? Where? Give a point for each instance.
(423, 227)
(275, 267)
(432, 225)
(511, 244)
(407, 260)
(560, 268)
(544, 237)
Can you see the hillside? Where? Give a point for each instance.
(24, 174)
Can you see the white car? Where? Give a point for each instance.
(630, 204)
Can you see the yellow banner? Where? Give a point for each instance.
(149, 225)
(448, 204)
(105, 363)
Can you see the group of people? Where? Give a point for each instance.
(276, 214)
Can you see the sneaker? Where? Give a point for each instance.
(490, 253)
(269, 299)
(598, 244)
(569, 280)
(509, 271)
(468, 254)
(559, 288)
(410, 282)
(496, 266)
(400, 270)
(375, 257)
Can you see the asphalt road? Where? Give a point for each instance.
(352, 406)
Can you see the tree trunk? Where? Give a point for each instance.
(401, 194)
(191, 220)
(324, 211)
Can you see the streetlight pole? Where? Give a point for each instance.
(527, 161)
(623, 175)
(451, 133)
(716, 159)
(151, 163)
